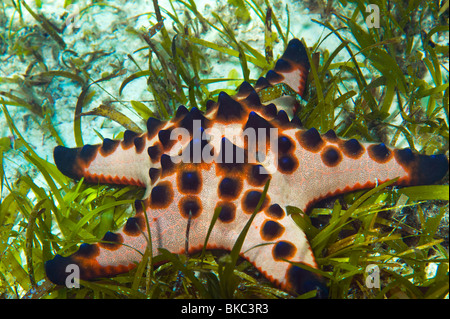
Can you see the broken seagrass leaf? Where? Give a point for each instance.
(112, 114)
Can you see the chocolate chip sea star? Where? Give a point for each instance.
(218, 165)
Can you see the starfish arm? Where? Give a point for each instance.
(116, 253)
(292, 69)
(325, 165)
(113, 161)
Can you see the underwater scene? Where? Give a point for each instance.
(229, 149)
